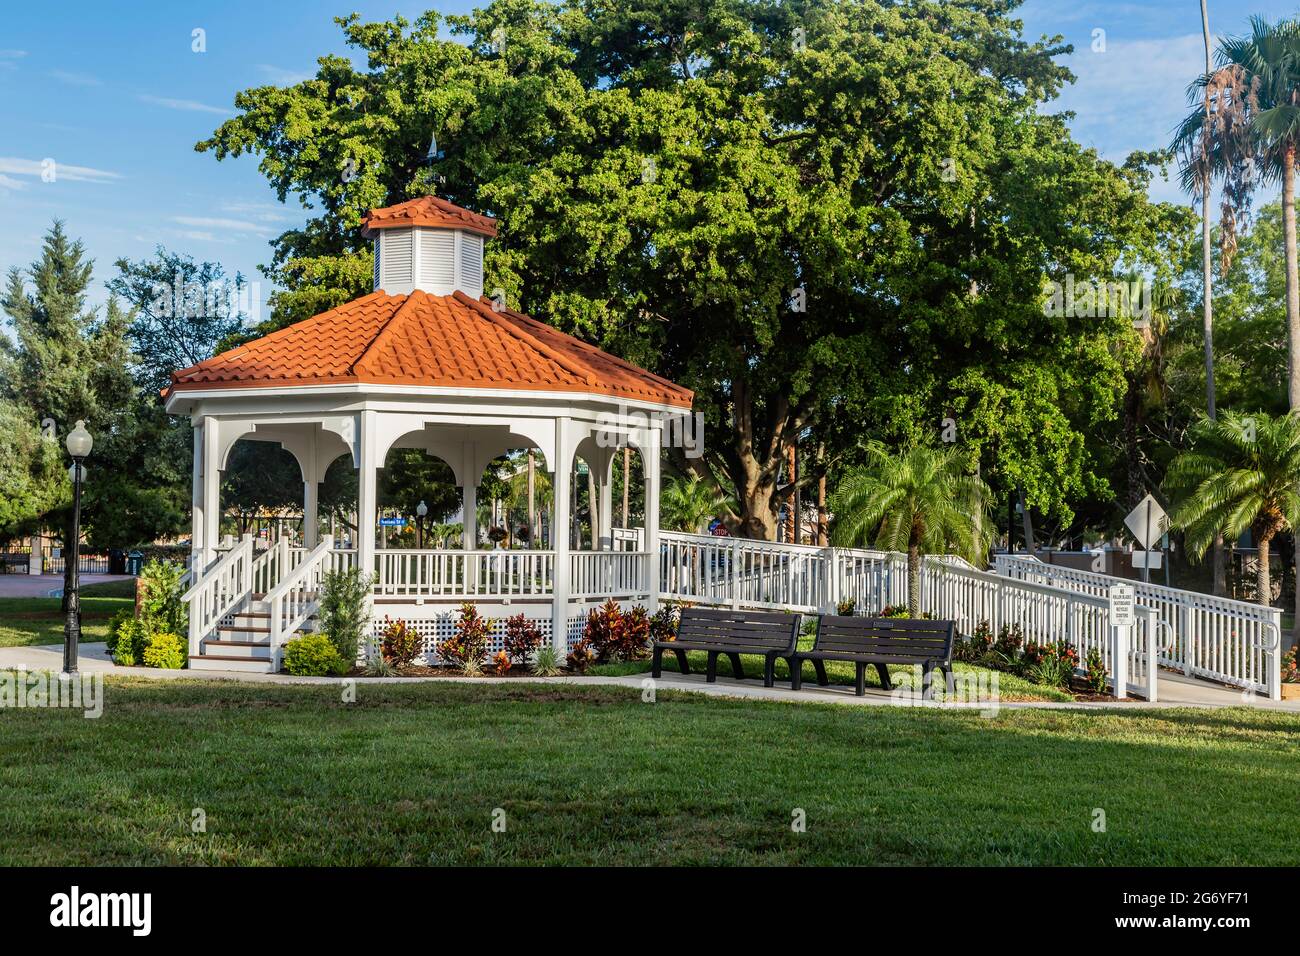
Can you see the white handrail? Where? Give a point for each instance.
(218, 592)
(1220, 638)
(297, 597)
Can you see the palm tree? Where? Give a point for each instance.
(1254, 128)
(1239, 472)
(689, 504)
(919, 500)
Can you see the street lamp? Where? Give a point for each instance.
(79, 444)
(420, 511)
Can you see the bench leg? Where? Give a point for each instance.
(927, 681)
(769, 670)
(657, 663)
(820, 668)
(883, 671)
(683, 664)
(949, 681)
(737, 669)
(796, 673)
(711, 668)
(860, 687)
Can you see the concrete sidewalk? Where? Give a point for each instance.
(1175, 689)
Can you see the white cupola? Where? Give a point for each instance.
(428, 244)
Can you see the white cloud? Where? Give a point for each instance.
(282, 77)
(8, 182)
(35, 167)
(202, 235)
(193, 106)
(75, 79)
(260, 211)
(211, 222)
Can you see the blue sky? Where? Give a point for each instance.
(116, 96)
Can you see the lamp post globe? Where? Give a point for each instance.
(79, 444)
(420, 511)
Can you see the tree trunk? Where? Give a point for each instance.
(1292, 279)
(1292, 298)
(1263, 582)
(1207, 288)
(593, 509)
(627, 468)
(532, 499)
(792, 499)
(822, 530)
(913, 580)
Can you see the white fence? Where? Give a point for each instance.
(1234, 642)
(743, 573)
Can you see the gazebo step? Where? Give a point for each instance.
(226, 647)
(214, 662)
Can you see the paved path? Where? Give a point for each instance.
(47, 585)
(1175, 690)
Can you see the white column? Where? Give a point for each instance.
(605, 519)
(367, 491)
(211, 489)
(562, 479)
(310, 517)
(650, 464)
(196, 497)
(469, 498)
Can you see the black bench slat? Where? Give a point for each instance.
(717, 631)
(879, 642)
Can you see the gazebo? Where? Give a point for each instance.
(425, 361)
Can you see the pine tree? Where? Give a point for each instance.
(67, 364)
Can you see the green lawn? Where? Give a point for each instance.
(39, 620)
(590, 775)
(1010, 687)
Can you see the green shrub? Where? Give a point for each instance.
(313, 655)
(344, 610)
(127, 640)
(1095, 678)
(161, 608)
(165, 650)
(845, 608)
(545, 664)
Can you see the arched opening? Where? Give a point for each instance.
(261, 493)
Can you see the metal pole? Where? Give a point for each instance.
(72, 625)
(1146, 564)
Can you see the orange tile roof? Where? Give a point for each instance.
(428, 211)
(438, 341)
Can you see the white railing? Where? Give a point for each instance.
(1235, 642)
(296, 598)
(628, 539)
(954, 591)
(740, 571)
(274, 563)
(223, 588)
(609, 574)
(433, 574)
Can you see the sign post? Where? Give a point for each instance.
(1148, 522)
(1122, 599)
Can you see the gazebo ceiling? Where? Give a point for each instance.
(435, 341)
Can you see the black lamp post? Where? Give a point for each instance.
(420, 511)
(79, 444)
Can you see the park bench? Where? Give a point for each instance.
(732, 633)
(878, 642)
